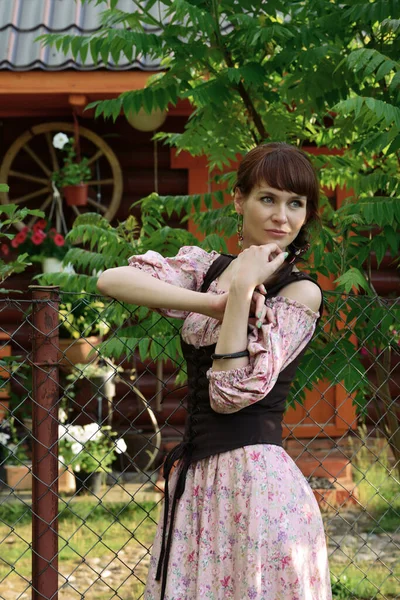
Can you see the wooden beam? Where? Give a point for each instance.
(38, 93)
(72, 82)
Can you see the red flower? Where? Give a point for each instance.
(5, 249)
(25, 230)
(38, 238)
(41, 224)
(59, 239)
(19, 239)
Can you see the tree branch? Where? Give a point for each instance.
(251, 109)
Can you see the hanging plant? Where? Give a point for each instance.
(73, 174)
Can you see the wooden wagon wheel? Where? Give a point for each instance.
(32, 158)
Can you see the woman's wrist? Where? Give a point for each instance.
(242, 289)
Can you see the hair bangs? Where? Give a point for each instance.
(285, 171)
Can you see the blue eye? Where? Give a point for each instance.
(265, 198)
(297, 203)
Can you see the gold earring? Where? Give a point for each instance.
(240, 230)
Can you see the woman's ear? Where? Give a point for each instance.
(238, 200)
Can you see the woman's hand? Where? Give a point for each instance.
(259, 313)
(256, 265)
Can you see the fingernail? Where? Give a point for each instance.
(259, 324)
(259, 315)
(285, 254)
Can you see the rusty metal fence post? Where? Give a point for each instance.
(45, 394)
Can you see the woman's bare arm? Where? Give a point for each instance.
(131, 285)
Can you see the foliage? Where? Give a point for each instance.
(322, 75)
(38, 242)
(80, 317)
(89, 448)
(73, 171)
(10, 215)
(312, 75)
(12, 449)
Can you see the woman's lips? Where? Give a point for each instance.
(276, 233)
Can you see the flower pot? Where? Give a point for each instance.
(89, 483)
(103, 384)
(19, 477)
(27, 421)
(51, 265)
(76, 195)
(66, 480)
(77, 351)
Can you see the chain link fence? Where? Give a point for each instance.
(85, 423)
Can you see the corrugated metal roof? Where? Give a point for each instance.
(22, 21)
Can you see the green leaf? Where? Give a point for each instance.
(353, 278)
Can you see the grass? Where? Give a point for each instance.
(111, 537)
(364, 581)
(378, 492)
(378, 489)
(115, 536)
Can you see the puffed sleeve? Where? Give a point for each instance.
(272, 348)
(187, 269)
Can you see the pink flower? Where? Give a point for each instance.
(59, 239)
(285, 561)
(237, 517)
(5, 249)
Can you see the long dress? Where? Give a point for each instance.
(248, 525)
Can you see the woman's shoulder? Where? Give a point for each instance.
(303, 290)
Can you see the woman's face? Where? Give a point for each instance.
(270, 215)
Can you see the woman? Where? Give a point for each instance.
(240, 521)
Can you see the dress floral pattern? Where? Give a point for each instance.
(248, 525)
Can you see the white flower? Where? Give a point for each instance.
(61, 459)
(3, 438)
(77, 468)
(62, 431)
(96, 273)
(93, 432)
(76, 447)
(120, 446)
(62, 415)
(59, 140)
(68, 269)
(77, 433)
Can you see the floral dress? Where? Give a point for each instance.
(248, 525)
